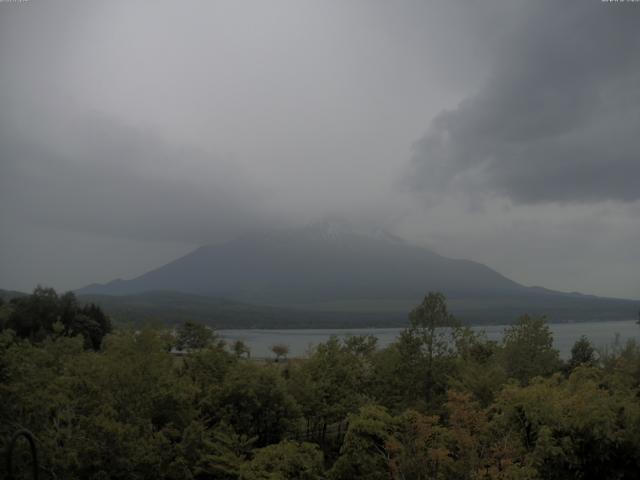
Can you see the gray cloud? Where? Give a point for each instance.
(131, 132)
(557, 119)
(97, 175)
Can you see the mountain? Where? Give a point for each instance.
(332, 268)
(324, 262)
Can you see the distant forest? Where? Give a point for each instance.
(116, 403)
(172, 308)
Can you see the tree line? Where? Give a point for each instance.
(44, 313)
(441, 402)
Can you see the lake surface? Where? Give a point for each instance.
(603, 335)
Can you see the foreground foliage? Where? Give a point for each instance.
(439, 403)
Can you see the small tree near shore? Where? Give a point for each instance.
(280, 350)
(240, 349)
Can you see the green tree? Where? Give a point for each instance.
(193, 336)
(327, 387)
(207, 368)
(283, 461)
(528, 349)
(364, 453)
(5, 313)
(419, 448)
(95, 335)
(478, 368)
(240, 349)
(89, 329)
(33, 316)
(425, 353)
(361, 345)
(573, 428)
(254, 400)
(427, 325)
(133, 405)
(280, 350)
(205, 452)
(582, 353)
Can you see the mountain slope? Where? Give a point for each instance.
(329, 273)
(315, 264)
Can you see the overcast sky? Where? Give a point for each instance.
(506, 132)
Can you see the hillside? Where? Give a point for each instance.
(175, 307)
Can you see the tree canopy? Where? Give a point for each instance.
(441, 402)
(45, 313)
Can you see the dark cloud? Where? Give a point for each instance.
(559, 116)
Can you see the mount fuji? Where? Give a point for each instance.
(331, 267)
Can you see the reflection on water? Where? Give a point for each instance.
(300, 341)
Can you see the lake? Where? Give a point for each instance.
(300, 341)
